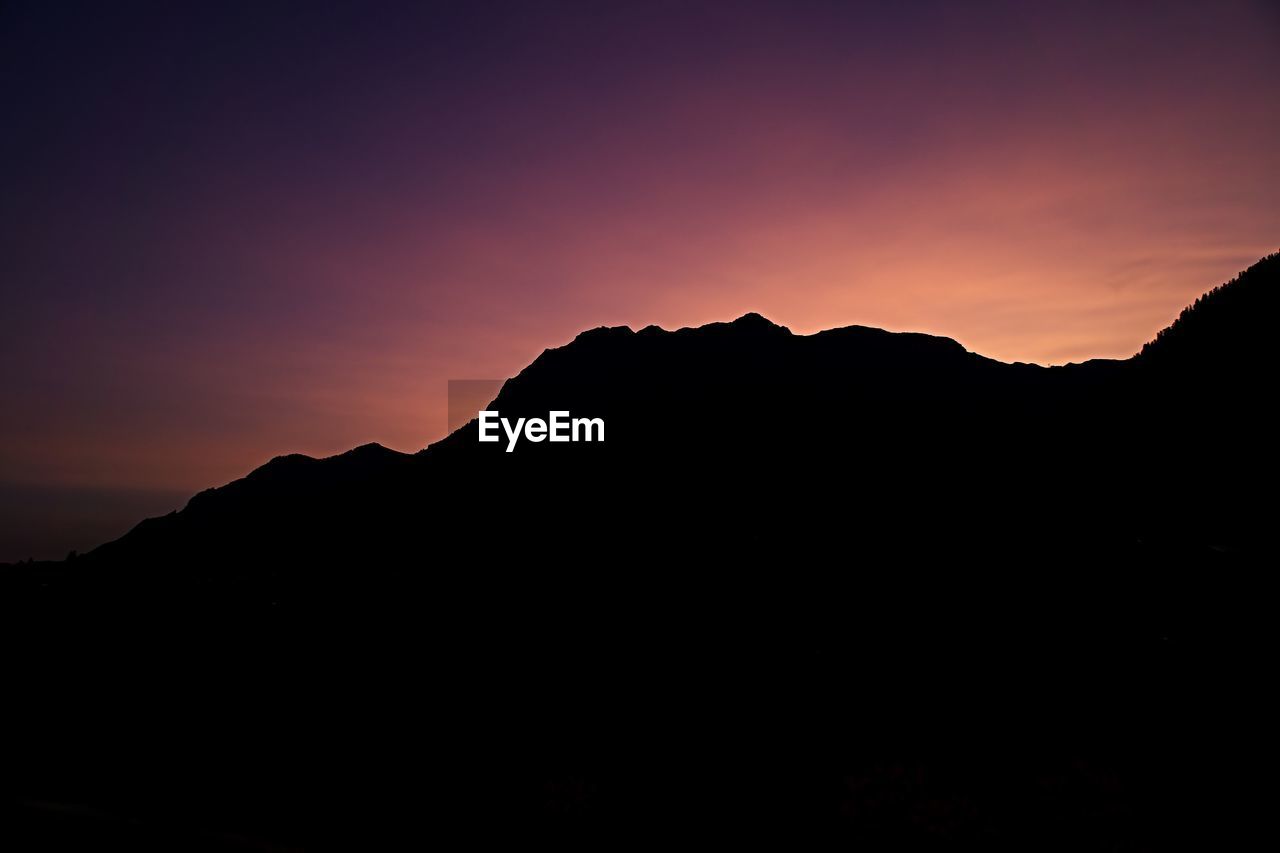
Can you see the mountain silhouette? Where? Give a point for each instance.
(933, 446)
(853, 585)
(1228, 327)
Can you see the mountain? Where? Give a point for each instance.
(797, 568)
(1227, 328)
(782, 440)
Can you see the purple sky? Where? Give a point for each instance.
(261, 228)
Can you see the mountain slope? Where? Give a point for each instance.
(1230, 326)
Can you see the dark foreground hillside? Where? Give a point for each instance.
(851, 588)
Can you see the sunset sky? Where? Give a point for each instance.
(230, 231)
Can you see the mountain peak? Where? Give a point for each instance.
(751, 318)
(752, 323)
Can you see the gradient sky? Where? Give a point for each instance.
(230, 231)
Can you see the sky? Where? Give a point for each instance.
(234, 230)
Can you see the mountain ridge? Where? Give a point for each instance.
(852, 349)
